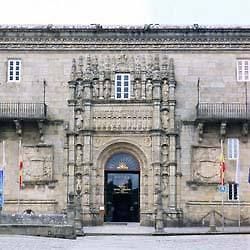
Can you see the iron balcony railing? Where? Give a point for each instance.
(23, 111)
(223, 111)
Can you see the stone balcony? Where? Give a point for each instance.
(23, 111)
(222, 112)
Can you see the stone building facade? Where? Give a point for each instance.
(125, 122)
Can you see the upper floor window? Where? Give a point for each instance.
(243, 70)
(14, 70)
(122, 86)
(233, 148)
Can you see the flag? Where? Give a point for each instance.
(237, 170)
(20, 165)
(222, 166)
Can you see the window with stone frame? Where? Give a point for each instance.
(122, 86)
(14, 70)
(243, 70)
(233, 191)
(233, 148)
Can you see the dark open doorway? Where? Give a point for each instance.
(122, 189)
(122, 197)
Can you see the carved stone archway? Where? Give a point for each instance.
(135, 152)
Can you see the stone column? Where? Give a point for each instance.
(71, 138)
(156, 147)
(172, 139)
(86, 198)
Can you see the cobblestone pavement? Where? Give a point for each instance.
(127, 242)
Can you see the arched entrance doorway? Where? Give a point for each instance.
(122, 188)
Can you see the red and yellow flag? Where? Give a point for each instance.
(20, 165)
(222, 166)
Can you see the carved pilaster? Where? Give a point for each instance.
(80, 67)
(73, 70)
(172, 140)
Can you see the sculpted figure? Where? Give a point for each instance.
(137, 89)
(149, 90)
(79, 120)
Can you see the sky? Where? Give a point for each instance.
(126, 12)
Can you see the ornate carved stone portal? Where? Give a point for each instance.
(145, 120)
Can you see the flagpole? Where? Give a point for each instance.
(237, 181)
(239, 222)
(4, 157)
(222, 183)
(19, 184)
(222, 208)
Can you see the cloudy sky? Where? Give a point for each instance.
(172, 12)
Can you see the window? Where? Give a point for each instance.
(233, 148)
(243, 70)
(122, 86)
(14, 70)
(233, 191)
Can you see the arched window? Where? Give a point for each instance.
(122, 162)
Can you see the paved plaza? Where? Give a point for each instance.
(127, 242)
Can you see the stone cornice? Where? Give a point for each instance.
(148, 37)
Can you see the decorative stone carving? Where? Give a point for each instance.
(78, 184)
(80, 66)
(223, 131)
(164, 90)
(149, 90)
(137, 89)
(124, 119)
(79, 155)
(38, 163)
(95, 89)
(107, 89)
(41, 130)
(205, 164)
(73, 70)
(78, 120)
(200, 128)
(165, 119)
(147, 141)
(244, 132)
(79, 90)
(164, 153)
(122, 63)
(18, 127)
(163, 39)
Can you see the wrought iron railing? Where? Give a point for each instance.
(24, 111)
(220, 111)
